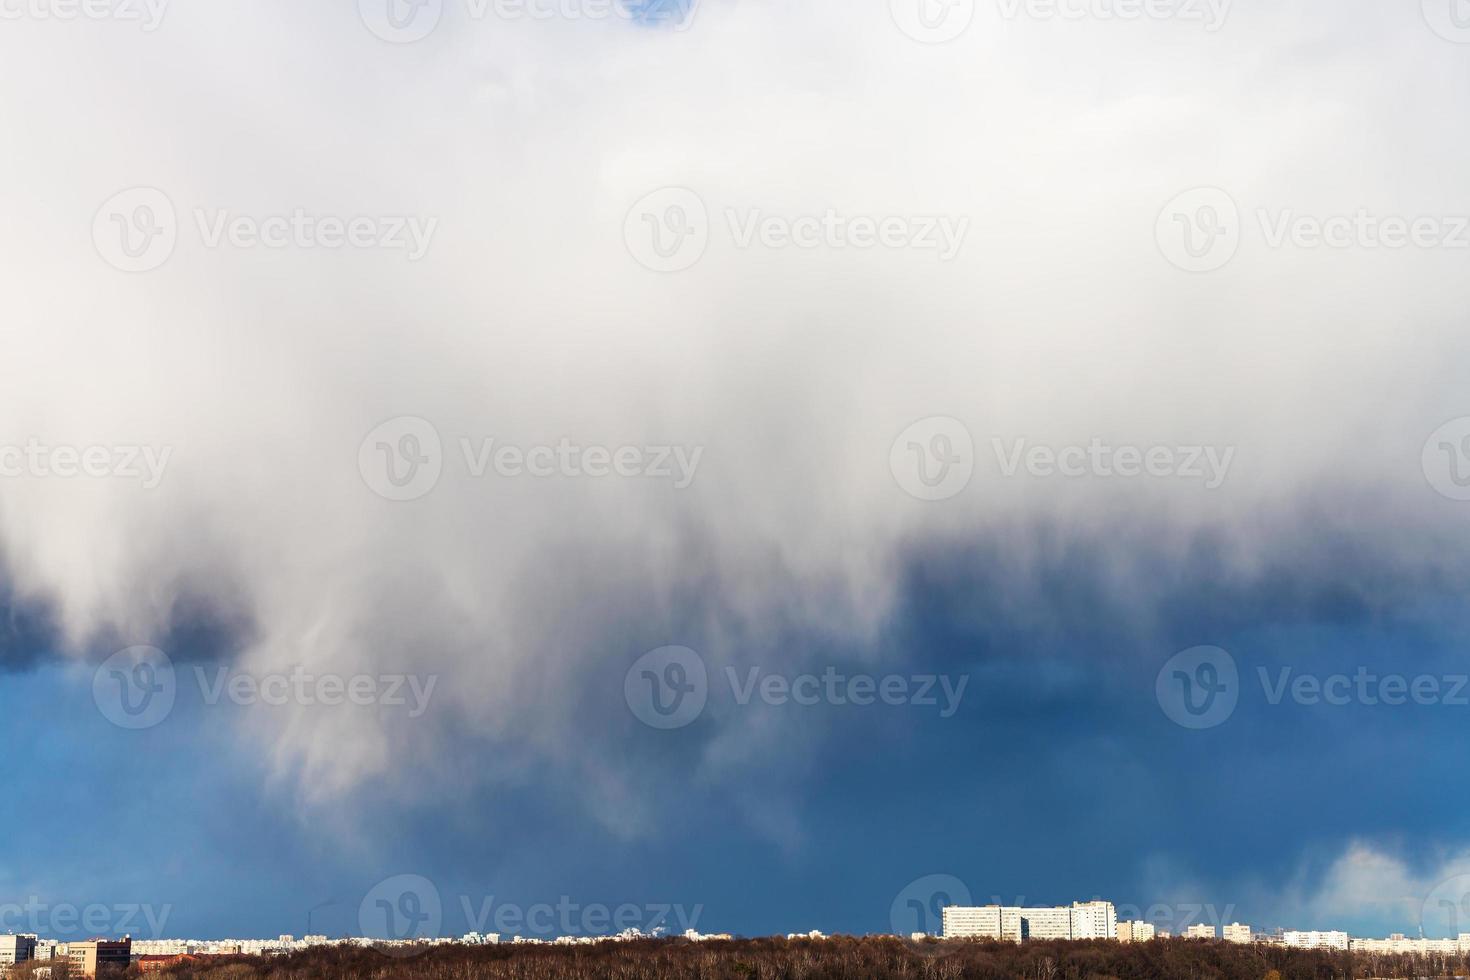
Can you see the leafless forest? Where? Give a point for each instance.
(843, 957)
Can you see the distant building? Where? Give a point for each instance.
(1081, 920)
(1237, 933)
(152, 964)
(1399, 943)
(1200, 931)
(1135, 931)
(86, 957)
(16, 949)
(1315, 940)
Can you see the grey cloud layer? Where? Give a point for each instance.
(527, 321)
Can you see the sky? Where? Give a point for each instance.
(539, 468)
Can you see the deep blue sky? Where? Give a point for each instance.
(1059, 778)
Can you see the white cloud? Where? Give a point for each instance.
(528, 321)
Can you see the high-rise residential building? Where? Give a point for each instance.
(1094, 920)
(1315, 939)
(1136, 931)
(16, 949)
(1081, 920)
(1237, 933)
(1200, 931)
(86, 957)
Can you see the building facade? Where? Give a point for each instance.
(1315, 940)
(85, 958)
(1237, 933)
(16, 949)
(1081, 920)
(1200, 931)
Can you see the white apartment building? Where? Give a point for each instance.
(1315, 940)
(1237, 933)
(16, 949)
(1399, 943)
(1082, 920)
(1136, 931)
(1200, 931)
(1094, 920)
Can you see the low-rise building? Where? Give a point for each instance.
(84, 958)
(16, 949)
